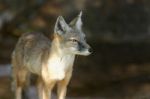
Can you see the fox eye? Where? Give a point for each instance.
(73, 40)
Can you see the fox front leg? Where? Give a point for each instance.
(45, 89)
(62, 86)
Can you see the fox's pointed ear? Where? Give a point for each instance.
(77, 22)
(60, 26)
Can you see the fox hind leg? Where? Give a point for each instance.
(20, 80)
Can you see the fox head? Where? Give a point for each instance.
(71, 37)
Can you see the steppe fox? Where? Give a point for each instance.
(51, 61)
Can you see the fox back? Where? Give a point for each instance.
(31, 51)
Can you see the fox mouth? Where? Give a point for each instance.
(84, 53)
(75, 51)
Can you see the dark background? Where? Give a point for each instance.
(117, 30)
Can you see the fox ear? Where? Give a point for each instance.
(60, 26)
(77, 22)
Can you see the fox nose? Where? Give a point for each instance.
(90, 50)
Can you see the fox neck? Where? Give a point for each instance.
(57, 50)
(59, 61)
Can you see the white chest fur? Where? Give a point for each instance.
(58, 66)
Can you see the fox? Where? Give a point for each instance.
(51, 60)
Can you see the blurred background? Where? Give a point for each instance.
(117, 30)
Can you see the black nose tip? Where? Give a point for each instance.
(90, 50)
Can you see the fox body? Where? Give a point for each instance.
(52, 60)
